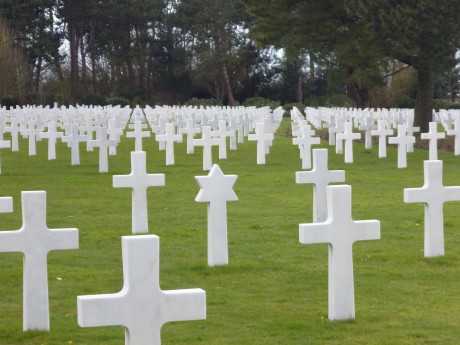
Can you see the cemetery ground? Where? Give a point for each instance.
(274, 290)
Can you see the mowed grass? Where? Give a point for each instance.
(274, 290)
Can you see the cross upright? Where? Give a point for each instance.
(456, 132)
(103, 143)
(35, 240)
(433, 194)
(367, 126)
(340, 231)
(382, 132)
(190, 130)
(138, 180)
(14, 130)
(73, 140)
(169, 138)
(138, 134)
(216, 189)
(262, 137)
(433, 136)
(305, 140)
(52, 135)
(348, 136)
(32, 133)
(221, 135)
(402, 140)
(410, 130)
(320, 176)
(114, 133)
(207, 141)
(141, 307)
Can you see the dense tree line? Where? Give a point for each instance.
(168, 51)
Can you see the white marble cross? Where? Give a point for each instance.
(190, 130)
(305, 141)
(221, 135)
(402, 140)
(14, 130)
(32, 133)
(434, 195)
(52, 135)
(433, 136)
(456, 133)
(73, 140)
(216, 190)
(138, 180)
(320, 176)
(382, 132)
(262, 138)
(35, 240)
(138, 134)
(207, 141)
(340, 231)
(348, 136)
(141, 307)
(410, 130)
(367, 126)
(114, 133)
(169, 138)
(103, 143)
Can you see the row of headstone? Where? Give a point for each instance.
(381, 124)
(103, 128)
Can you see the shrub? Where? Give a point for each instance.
(205, 102)
(260, 102)
(9, 102)
(445, 104)
(405, 102)
(93, 99)
(117, 100)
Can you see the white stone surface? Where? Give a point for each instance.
(456, 133)
(35, 240)
(73, 140)
(433, 136)
(402, 140)
(263, 138)
(340, 231)
(141, 307)
(305, 141)
(190, 130)
(138, 180)
(207, 142)
(433, 194)
(52, 135)
(138, 134)
(216, 190)
(169, 138)
(103, 143)
(382, 132)
(320, 176)
(348, 136)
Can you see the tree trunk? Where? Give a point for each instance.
(312, 66)
(38, 72)
(358, 96)
(83, 58)
(424, 99)
(228, 87)
(73, 47)
(92, 53)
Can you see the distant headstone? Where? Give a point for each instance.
(138, 180)
(73, 140)
(103, 143)
(456, 133)
(433, 136)
(216, 190)
(340, 231)
(320, 176)
(169, 138)
(348, 136)
(262, 137)
(382, 132)
(35, 240)
(305, 140)
(402, 140)
(138, 134)
(52, 135)
(433, 194)
(207, 141)
(141, 307)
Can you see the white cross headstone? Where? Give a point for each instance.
(402, 140)
(207, 141)
(382, 132)
(190, 130)
(138, 180)
(340, 231)
(103, 143)
(52, 135)
(114, 133)
(32, 133)
(262, 138)
(367, 126)
(433, 136)
(73, 140)
(14, 130)
(320, 176)
(35, 240)
(221, 135)
(141, 307)
(305, 141)
(138, 134)
(169, 138)
(216, 190)
(434, 195)
(456, 133)
(348, 136)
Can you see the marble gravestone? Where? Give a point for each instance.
(73, 140)
(382, 132)
(433, 136)
(433, 194)
(35, 240)
(207, 142)
(169, 138)
(305, 140)
(402, 140)
(103, 143)
(340, 231)
(216, 190)
(320, 176)
(52, 135)
(141, 307)
(348, 136)
(263, 138)
(138, 134)
(138, 180)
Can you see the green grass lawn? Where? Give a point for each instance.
(274, 290)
